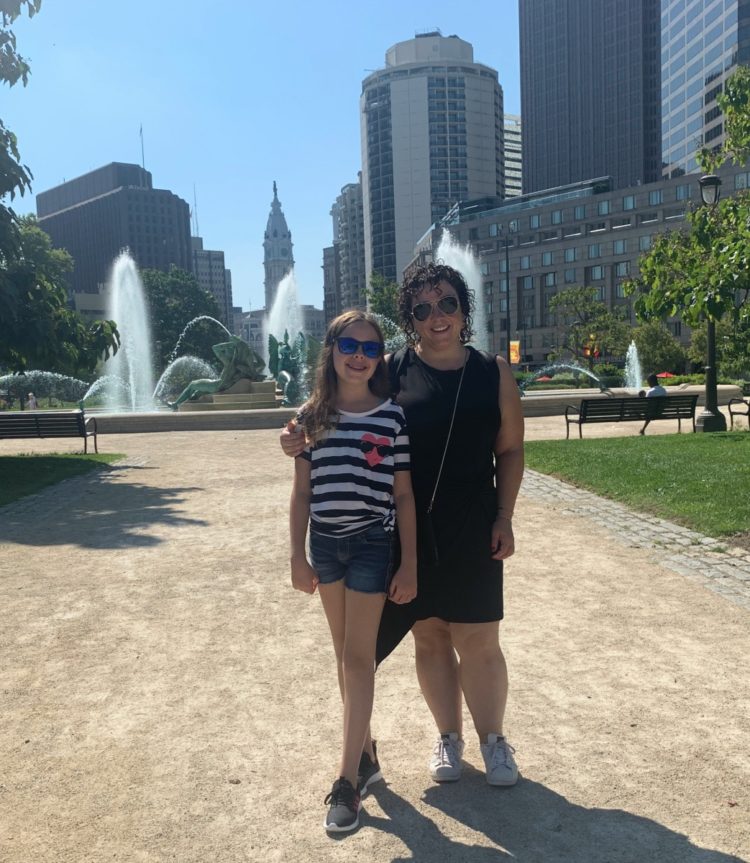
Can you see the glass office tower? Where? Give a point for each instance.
(701, 43)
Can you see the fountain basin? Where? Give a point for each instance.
(548, 403)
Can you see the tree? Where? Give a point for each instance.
(658, 349)
(175, 298)
(37, 328)
(587, 328)
(732, 348)
(382, 297)
(701, 273)
(15, 178)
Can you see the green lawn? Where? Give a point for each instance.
(21, 475)
(699, 480)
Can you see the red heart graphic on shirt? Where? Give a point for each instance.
(372, 456)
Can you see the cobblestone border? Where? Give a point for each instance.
(721, 568)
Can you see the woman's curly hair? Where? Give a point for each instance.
(418, 278)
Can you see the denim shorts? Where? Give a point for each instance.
(364, 560)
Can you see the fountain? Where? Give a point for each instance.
(633, 373)
(285, 315)
(557, 367)
(461, 258)
(133, 362)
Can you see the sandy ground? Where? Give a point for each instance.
(166, 695)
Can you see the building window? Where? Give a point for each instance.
(622, 268)
(644, 243)
(513, 225)
(628, 202)
(648, 217)
(525, 262)
(503, 268)
(556, 217)
(620, 247)
(570, 277)
(503, 305)
(546, 259)
(580, 212)
(534, 221)
(620, 290)
(488, 287)
(655, 197)
(596, 273)
(503, 286)
(571, 255)
(599, 295)
(682, 193)
(603, 208)
(493, 230)
(595, 251)
(549, 280)
(527, 283)
(485, 268)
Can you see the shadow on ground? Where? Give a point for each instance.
(92, 511)
(529, 823)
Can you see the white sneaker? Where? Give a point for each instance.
(498, 761)
(445, 764)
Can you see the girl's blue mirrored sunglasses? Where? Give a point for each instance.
(372, 350)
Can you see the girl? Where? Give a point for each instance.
(352, 483)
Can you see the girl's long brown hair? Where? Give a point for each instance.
(319, 411)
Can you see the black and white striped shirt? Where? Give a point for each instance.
(352, 468)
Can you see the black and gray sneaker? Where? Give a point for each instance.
(368, 770)
(343, 813)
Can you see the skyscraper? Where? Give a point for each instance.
(278, 259)
(513, 156)
(432, 134)
(702, 43)
(213, 277)
(590, 102)
(99, 214)
(349, 240)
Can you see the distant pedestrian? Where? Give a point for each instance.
(32, 402)
(654, 390)
(654, 387)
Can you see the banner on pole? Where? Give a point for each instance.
(515, 352)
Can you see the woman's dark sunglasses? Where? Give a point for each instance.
(372, 350)
(367, 445)
(447, 305)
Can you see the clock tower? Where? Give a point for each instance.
(277, 250)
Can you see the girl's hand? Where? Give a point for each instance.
(292, 439)
(303, 575)
(403, 585)
(502, 544)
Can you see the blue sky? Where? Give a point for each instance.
(231, 96)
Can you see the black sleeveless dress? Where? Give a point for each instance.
(466, 584)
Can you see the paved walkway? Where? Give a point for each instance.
(167, 696)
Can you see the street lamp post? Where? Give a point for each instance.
(507, 295)
(710, 419)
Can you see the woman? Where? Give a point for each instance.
(455, 617)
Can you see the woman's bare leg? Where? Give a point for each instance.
(483, 674)
(437, 672)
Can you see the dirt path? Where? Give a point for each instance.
(166, 696)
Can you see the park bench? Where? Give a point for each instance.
(44, 424)
(741, 407)
(630, 409)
